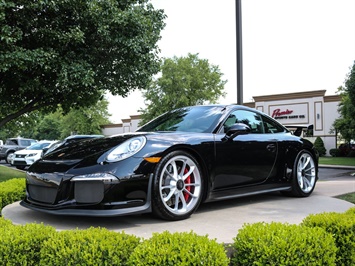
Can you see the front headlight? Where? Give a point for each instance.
(126, 149)
(31, 154)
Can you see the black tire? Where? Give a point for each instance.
(8, 155)
(177, 186)
(304, 175)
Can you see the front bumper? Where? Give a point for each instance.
(62, 196)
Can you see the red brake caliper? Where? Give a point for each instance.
(188, 188)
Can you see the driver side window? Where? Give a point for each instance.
(251, 119)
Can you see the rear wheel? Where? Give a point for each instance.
(304, 175)
(177, 187)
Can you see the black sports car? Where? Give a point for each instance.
(172, 164)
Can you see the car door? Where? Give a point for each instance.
(246, 159)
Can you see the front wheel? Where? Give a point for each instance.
(8, 158)
(304, 175)
(177, 187)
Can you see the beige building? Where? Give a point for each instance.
(303, 108)
(299, 108)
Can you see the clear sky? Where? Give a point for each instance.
(288, 45)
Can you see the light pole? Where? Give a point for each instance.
(239, 54)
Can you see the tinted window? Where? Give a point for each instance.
(190, 119)
(11, 142)
(271, 126)
(25, 142)
(251, 119)
(38, 146)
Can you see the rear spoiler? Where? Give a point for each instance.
(297, 129)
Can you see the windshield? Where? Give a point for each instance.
(188, 119)
(38, 146)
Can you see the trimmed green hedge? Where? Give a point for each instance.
(321, 239)
(22, 244)
(179, 249)
(283, 244)
(11, 191)
(36, 244)
(93, 246)
(342, 227)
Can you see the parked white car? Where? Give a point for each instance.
(23, 158)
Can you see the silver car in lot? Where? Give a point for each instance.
(23, 158)
(12, 145)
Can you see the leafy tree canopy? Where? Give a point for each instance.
(72, 52)
(345, 125)
(55, 126)
(85, 120)
(184, 81)
(350, 84)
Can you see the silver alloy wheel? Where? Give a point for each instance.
(306, 173)
(9, 157)
(180, 185)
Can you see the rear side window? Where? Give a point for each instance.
(271, 126)
(11, 142)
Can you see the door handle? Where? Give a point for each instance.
(271, 147)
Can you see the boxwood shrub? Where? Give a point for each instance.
(12, 190)
(178, 249)
(342, 227)
(335, 152)
(283, 244)
(351, 211)
(93, 246)
(21, 244)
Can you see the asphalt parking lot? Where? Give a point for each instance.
(219, 220)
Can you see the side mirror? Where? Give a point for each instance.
(236, 130)
(44, 151)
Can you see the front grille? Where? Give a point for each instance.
(89, 191)
(19, 163)
(20, 155)
(42, 194)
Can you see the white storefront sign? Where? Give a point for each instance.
(289, 114)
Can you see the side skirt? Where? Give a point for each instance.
(246, 191)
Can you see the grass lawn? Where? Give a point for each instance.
(7, 173)
(348, 197)
(350, 161)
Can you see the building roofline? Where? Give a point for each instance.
(289, 96)
(332, 98)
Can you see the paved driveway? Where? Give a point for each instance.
(219, 220)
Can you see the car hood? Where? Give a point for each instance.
(87, 148)
(25, 152)
(92, 152)
(78, 154)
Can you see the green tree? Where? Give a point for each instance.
(49, 127)
(24, 126)
(184, 81)
(345, 125)
(55, 126)
(350, 84)
(319, 145)
(85, 120)
(72, 52)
